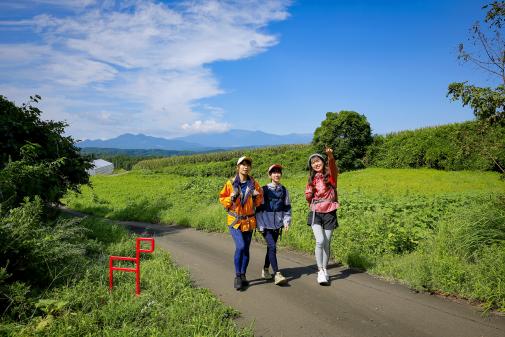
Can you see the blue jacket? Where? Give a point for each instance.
(275, 210)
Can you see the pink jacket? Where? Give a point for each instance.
(322, 198)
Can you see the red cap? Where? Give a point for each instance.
(279, 166)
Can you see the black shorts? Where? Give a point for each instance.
(327, 220)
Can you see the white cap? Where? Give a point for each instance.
(241, 159)
(314, 155)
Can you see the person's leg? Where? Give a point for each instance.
(327, 233)
(247, 236)
(329, 222)
(236, 234)
(318, 235)
(271, 238)
(265, 233)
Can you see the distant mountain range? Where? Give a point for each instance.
(198, 142)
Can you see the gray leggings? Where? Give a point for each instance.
(323, 238)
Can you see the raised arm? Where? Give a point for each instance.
(332, 165)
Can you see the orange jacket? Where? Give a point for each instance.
(241, 215)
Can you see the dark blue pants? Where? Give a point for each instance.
(242, 243)
(271, 236)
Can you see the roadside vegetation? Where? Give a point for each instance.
(53, 270)
(393, 222)
(61, 283)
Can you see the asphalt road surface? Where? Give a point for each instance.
(354, 304)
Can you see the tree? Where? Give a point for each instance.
(348, 133)
(35, 157)
(488, 104)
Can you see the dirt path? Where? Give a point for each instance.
(355, 304)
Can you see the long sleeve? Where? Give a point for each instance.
(333, 170)
(309, 192)
(225, 195)
(287, 212)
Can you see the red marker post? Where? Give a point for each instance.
(136, 259)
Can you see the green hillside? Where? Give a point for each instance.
(414, 225)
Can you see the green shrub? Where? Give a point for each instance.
(80, 304)
(464, 256)
(458, 146)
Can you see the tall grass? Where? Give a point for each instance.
(464, 256)
(80, 304)
(387, 216)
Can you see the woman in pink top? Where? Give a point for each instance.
(321, 194)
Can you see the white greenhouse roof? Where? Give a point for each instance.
(100, 163)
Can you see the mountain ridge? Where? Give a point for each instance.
(234, 138)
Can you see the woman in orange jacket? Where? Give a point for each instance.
(240, 196)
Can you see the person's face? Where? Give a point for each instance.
(276, 175)
(317, 164)
(244, 168)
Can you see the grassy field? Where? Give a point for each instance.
(81, 305)
(411, 225)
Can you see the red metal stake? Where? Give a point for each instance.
(136, 259)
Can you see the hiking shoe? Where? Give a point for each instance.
(244, 280)
(280, 279)
(326, 275)
(266, 274)
(237, 284)
(321, 279)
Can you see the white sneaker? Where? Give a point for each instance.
(321, 279)
(266, 274)
(280, 279)
(326, 275)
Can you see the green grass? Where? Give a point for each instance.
(387, 217)
(169, 304)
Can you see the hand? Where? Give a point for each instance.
(286, 227)
(233, 197)
(256, 193)
(328, 151)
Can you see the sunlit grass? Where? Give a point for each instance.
(385, 215)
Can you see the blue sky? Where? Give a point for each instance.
(175, 68)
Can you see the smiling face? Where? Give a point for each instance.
(276, 175)
(317, 164)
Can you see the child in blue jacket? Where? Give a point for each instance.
(273, 215)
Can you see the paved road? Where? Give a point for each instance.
(355, 304)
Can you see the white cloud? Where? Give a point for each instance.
(136, 66)
(206, 126)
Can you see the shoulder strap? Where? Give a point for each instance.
(265, 195)
(283, 192)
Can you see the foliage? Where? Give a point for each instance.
(348, 133)
(223, 164)
(385, 214)
(39, 254)
(77, 302)
(458, 146)
(35, 157)
(463, 256)
(488, 104)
